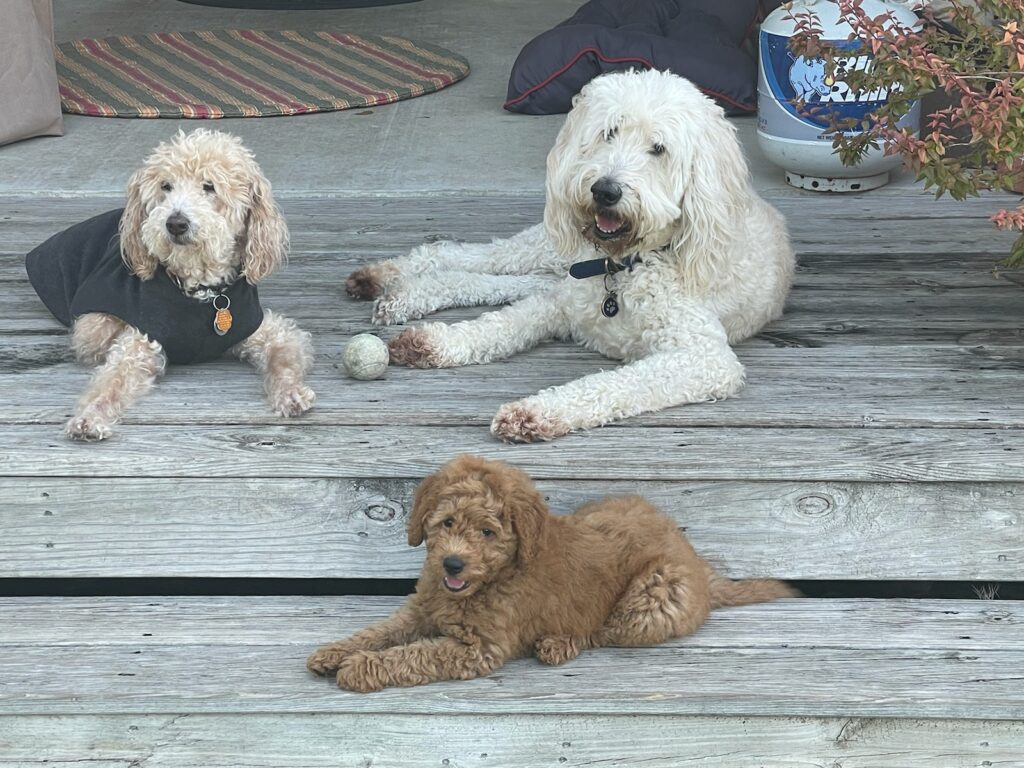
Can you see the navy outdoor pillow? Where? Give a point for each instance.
(702, 40)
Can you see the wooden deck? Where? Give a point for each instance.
(880, 437)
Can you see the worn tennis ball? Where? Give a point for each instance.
(366, 357)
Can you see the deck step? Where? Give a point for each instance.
(862, 658)
(338, 527)
(192, 681)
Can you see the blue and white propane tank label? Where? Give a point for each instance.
(785, 79)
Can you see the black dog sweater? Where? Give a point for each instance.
(80, 270)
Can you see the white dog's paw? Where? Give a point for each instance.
(292, 401)
(524, 423)
(392, 310)
(370, 281)
(88, 429)
(415, 348)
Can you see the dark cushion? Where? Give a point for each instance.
(702, 40)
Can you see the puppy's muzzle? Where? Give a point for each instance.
(453, 566)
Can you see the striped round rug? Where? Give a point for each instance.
(246, 73)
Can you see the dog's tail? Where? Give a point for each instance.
(726, 592)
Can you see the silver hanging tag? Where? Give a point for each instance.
(610, 307)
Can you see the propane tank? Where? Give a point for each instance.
(799, 140)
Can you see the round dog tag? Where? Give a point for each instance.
(610, 307)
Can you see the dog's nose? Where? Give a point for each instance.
(453, 565)
(177, 224)
(606, 192)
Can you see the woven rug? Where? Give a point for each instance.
(246, 73)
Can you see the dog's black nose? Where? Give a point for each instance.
(177, 224)
(453, 565)
(606, 192)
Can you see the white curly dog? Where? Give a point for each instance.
(647, 171)
(200, 216)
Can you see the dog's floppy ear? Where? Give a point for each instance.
(559, 219)
(423, 502)
(135, 254)
(266, 237)
(715, 189)
(529, 515)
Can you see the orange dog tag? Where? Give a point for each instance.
(222, 319)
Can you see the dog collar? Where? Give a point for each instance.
(215, 294)
(594, 267)
(203, 292)
(606, 266)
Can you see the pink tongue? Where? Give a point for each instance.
(454, 583)
(608, 223)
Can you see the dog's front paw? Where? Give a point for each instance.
(362, 672)
(292, 401)
(369, 282)
(522, 423)
(392, 310)
(414, 348)
(88, 429)
(327, 659)
(557, 649)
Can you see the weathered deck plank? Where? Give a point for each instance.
(479, 741)
(710, 453)
(828, 387)
(787, 677)
(144, 622)
(355, 528)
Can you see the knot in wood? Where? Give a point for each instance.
(258, 442)
(383, 512)
(998, 615)
(814, 504)
(842, 327)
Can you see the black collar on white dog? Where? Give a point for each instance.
(606, 266)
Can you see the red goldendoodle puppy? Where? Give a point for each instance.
(503, 578)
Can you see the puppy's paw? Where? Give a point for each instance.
(557, 649)
(413, 347)
(523, 423)
(88, 429)
(362, 672)
(327, 659)
(292, 401)
(369, 282)
(391, 309)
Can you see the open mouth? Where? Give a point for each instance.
(608, 226)
(453, 584)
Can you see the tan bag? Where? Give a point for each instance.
(29, 99)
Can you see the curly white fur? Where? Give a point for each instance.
(232, 226)
(716, 264)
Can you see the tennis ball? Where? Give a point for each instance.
(365, 357)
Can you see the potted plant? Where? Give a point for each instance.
(970, 51)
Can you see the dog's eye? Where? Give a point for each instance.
(166, 186)
(448, 522)
(488, 533)
(208, 187)
(658, 149)
(611, 133)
